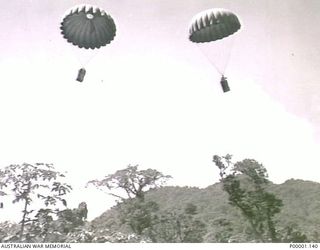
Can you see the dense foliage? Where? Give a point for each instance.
(224, 223)
(29, 183)
(243, 207)
(246, 182)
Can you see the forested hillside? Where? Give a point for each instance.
(244, 206)
(301, 209)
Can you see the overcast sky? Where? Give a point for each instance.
(152, 98)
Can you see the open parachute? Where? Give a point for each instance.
(87, 27)
(213, 25)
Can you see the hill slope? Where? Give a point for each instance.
(301, 209)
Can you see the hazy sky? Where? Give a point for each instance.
(152, 98)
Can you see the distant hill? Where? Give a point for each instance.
(301, 209)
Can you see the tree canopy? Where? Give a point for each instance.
(132, 181)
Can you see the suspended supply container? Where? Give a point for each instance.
(210, 30)
(224, 84)
(81, 74)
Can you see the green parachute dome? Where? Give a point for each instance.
(88, 27)
(213, 24)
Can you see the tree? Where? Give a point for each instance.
(131, 185)
(179, 226)
(138, 215)
(29, 183)
(45, 228)
(245, 182)
(131, 181)
(69, 219)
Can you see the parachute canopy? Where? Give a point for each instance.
(213, 24)
(88, 26)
